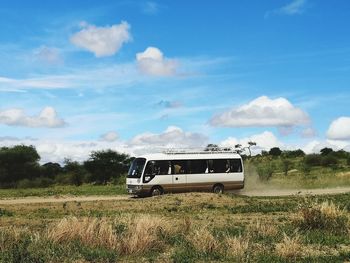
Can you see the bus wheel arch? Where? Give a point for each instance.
(156, 190)
(218, 188)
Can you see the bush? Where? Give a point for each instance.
(313, 159)
(305, 168)
(35, 183)
(265, 171)
(286, 165)
(329, 160)
(326, 216)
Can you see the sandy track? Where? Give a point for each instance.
(265, 192)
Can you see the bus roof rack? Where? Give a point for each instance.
(208, 150)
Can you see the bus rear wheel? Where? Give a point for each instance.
(157, 190)
(218, 189)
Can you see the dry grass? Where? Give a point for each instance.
(262, 229)
(323, 216)
(203, 240)
(89, 231)
(290, 247)
(143, 234)
(236, 247)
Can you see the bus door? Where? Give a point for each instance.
(179, 172)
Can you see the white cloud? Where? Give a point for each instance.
(150, 8)
(49, 55)
(102, 41)
(315, 146)
(57, 150)
(17, 117)
(339, 129)
(110, 136)
(264, 141)
(262, 111)
(152, 62)
(296, 7)
(48, 82)
(172, 137)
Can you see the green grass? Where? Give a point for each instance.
(86, 189)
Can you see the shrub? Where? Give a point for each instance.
(325, 216)
(313, 160)
(265, 171)
(329, 160)
(289, 248)
(305, 168)
(286, 164)
(4, 212)
(35, 183)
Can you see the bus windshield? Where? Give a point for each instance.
(136, 168)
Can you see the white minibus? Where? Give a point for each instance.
(169, 172)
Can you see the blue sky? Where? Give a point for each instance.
(134, 76)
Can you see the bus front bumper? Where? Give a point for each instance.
(134, 189)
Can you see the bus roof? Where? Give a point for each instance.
(189, 156)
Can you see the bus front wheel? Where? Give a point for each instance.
(157, 190)
(218, 189)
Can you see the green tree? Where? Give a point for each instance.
(107, 164)
(275, 151)
(326, 151)
(211, 147)
(51, 170)
(293, 153)
(17, 163)
(74, 172)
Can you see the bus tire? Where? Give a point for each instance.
(156, 190)
(218, 189)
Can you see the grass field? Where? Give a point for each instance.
(57, 190)
(193, 227)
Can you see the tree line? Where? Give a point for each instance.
(20, 167)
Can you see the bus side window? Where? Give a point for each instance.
(210, 166)
(219, 165)
(150, 168)
(157, 168)
(162, 167)
(236, 165)
(198, 166)
(179, 167)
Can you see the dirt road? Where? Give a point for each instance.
(265, 192)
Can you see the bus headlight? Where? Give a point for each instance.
(147, 178)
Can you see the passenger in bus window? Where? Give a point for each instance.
(177, 168)
(210, 166)
(227, 166)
